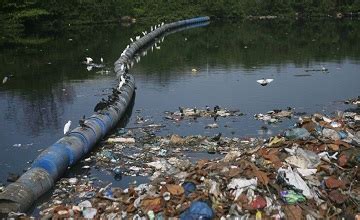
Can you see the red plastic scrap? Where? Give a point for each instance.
(342, 160)
(258, 203)
(333, 182)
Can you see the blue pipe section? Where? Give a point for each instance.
(51, 164)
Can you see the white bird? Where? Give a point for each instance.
(162, 23)
(67, 127)
(89, 68)
(323, 68)
(5, 79)
(157, 47)
(122, 67)
(137, 37)
(131, 39)
(127, 46)
(122, 78)
(121, 84)
(88, 60)
(151, 28)
(137, 59)
(264, 82)
(101, 60)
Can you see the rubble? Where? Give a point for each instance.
(310, 171)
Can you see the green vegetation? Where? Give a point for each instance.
(55, 14)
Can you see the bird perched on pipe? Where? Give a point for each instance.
(67, 127)
(113, 98)
(115, 91)
(82, 123)
(101, 105)
(123, 81)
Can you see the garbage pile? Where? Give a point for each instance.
(310, 171)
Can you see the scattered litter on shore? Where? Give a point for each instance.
(274, 116)
(310, 171)
(207, 112)
(354, 101)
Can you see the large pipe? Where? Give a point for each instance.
(51, 164)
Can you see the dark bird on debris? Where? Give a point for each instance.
(82, 122)
(216, 108)
(101, 105)
(215, 117)
(216, 137)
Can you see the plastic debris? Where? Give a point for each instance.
(292, 178)
(331, 134)
(291, 197)
(121, 140)
(240, 184)
(197, 210)
(274, 116)
(297, 133)
(308, 172)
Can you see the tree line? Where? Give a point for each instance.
(55, 13)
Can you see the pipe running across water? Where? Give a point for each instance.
(52, 163)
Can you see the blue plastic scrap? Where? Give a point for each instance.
(189, 187)
(198, 210)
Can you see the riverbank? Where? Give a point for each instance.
(27, 15)
(308, 171)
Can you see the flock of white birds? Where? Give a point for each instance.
(90, 61)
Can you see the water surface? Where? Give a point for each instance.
(51, 86)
